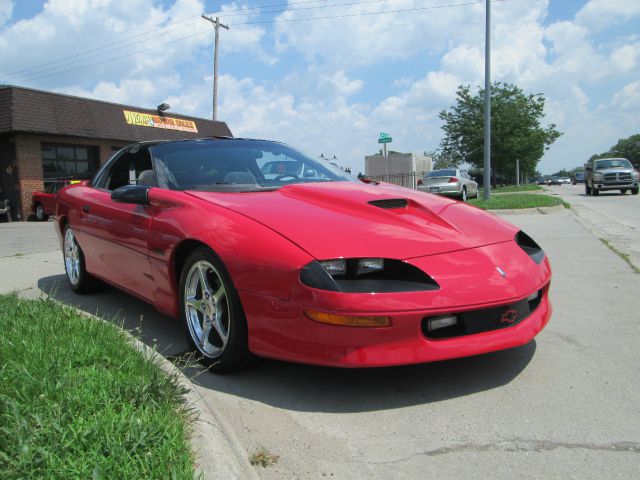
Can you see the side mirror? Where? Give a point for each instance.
(136, 194)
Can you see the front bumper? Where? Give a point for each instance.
(615, 185)
(280, 329)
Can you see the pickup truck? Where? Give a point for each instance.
(610, 174)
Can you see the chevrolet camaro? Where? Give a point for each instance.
(260, 249)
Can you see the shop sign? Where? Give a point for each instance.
(147, 120)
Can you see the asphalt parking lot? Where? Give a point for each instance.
(563, 406)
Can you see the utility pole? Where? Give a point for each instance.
(487, 103)
(216, 25)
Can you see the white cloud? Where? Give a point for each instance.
(141, 92)
(628, 98)
(466, 61)
(626, 58)
(83, 42)
(598, 14)
(6, 10)
(341, 84)
(359, 38)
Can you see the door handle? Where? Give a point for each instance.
(86, 208)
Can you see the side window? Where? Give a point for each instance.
(126, 168)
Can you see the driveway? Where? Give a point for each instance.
(563, 406)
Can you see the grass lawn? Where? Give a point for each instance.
(78, 401)
(530, 187)
(517, 200)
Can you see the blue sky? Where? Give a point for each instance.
(331, 85)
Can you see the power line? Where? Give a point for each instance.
(40, 68)
(363, 2)
(364, 14)
(30, 77)
(155, 32)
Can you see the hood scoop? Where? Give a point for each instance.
(389, 203)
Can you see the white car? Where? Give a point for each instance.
(452, 182)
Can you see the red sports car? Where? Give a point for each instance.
(43, 203)
(309, 265)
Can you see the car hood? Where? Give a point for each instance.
(349, 219)
(614, 170)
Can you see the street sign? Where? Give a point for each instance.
(385, 138)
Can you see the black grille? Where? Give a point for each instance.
(485, 320)
(390, 203)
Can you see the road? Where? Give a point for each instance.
(563, 406)
(611, 216)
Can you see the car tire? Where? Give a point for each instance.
(595, 192)
(587, 189)
(40, 215)
(79, 279)
(623, 191)
(211, 313)
(634, 191)
(463, 194)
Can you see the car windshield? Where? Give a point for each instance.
(613, 163)
(223, 165)
(442, 173)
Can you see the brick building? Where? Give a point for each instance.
(46, 137)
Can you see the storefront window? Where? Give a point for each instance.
(69, 161)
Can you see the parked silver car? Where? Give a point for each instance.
(452, 182)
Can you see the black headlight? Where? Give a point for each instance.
(531, 248)
(366, 275)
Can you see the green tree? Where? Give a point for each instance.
(516, 132)
(628, 148)
(441, 161)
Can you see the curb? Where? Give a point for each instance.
(617, 244)
(540, 210)
(218, 453)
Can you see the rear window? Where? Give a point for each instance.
(442, 173)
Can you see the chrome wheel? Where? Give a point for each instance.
(71, 257)
(206, 308)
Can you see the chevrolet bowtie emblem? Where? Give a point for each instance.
(509, 316)
(501, 272)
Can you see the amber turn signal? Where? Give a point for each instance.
(347, 320)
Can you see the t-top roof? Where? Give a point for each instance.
(36, 111)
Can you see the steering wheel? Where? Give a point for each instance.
(293, 176)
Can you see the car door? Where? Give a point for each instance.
(115, 235)
(472, 186)
(48, 200)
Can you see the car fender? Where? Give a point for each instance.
(257, 258)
